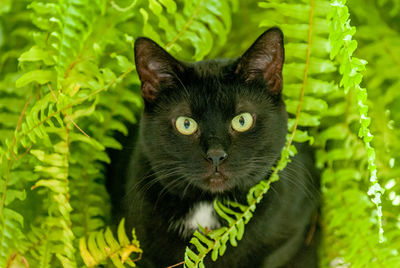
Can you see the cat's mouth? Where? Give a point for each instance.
(217, 182)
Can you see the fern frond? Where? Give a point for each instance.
(350, 160)
(54, 173)
(350, 67)
(14, 28)
(193, 26)
(47, 122)
(390, 6)
(102, 245)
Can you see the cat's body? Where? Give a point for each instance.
(233, 129)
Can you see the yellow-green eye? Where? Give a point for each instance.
(186, 125)
(242, 122)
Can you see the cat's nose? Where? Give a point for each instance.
(216, 156)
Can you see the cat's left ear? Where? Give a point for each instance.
(155, 66)
(264, 61)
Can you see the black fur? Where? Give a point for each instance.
(169, 172)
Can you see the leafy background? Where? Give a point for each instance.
(68, 85)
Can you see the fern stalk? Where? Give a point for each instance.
(186, 26)
(11, 156)
(343, 52)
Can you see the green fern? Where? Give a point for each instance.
(74, 86)
(348, 161)
(194, 28)
(350, 67)
(13, 174)
(102, 245)
(392, 6)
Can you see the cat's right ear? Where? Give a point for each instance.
(155, 67)
(263, 61)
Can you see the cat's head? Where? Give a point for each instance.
(214, 125)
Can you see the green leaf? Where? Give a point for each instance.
(39, 76)
(13, 215)
(14, 194)
(36, 53)
(204, 239)
(122, 238)
(199, 246)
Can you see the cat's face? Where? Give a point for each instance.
(215, 125)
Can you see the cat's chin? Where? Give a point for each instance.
(217, 183)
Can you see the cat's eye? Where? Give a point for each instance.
(242, 122)
(186, 125)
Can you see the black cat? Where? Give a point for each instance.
(213, 129)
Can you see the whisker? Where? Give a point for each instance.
(151, 182)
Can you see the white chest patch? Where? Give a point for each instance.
(202, 214)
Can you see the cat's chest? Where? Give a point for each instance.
(201, 213)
